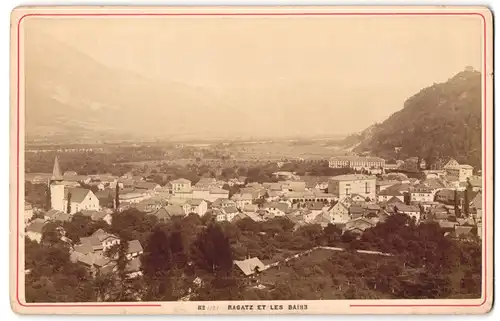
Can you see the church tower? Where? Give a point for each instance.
(56, 172)
(57, 188)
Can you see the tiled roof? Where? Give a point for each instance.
(175, 210)
(83, 248)
(230, 210)
(249, 266)
(407, 208)
(36, 226)
(162, 214)
(94, 215)
(462, 230)
(218, 191)
(134, 246)
(180, 181)
(447, 224)
(145, 185)
(352, 177)
(194, 202)
(78, 194)
(61, 216)
(280, 206)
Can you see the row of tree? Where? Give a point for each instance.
(193, 257)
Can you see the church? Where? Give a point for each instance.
(79, 198)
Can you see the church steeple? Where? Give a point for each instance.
(56, 172)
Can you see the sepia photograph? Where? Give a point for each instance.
(268, 158)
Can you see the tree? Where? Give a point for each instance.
(80, 226)
(68, 209)
(211, 251)
(156, 265)
(456, 200)
(48, 198)
(466, 199)
(332, 234)
(117, 196)
(51, 234)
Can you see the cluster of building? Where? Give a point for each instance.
(353, 202)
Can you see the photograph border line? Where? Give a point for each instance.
(485, 284)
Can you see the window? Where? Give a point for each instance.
(367, 188)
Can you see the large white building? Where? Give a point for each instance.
(346, 185)
(357, 162)
(460, 172)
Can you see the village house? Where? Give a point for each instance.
(339, 213)
(447, 196)
(161, 214)
(387, 194)
(435, 174)
(207, 183)
(464, 232)
(285, 175)
(400, 177)
(133, 197)
(153, 203)
(293, 186)
(383, 184)
(439, 213)
(134, 249)
(147, 187)
(55, 216)
(240, 181)
(180, 185)
(277, 209)
(421, 193)
(316, 182)
(476, 206)
(230, 212)
(34, 230)
(475, 183)
(447, 226)
(174, 210)
(98, 215)
(94, 261)
(100, 240)
(250, 266)
(222, 203)
(444, 163)
(28, 212)
(410, 210)
(356, 211)
(345, 185)
(226, 214)
(272, 196)
(414, 164)
(358, 225)
(250, 208)
(241, 200)
(196, 206)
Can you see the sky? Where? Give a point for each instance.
(352, 71)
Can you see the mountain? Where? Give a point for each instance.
(71, 96)
(443, 120)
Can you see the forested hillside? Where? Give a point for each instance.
(443, 120)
